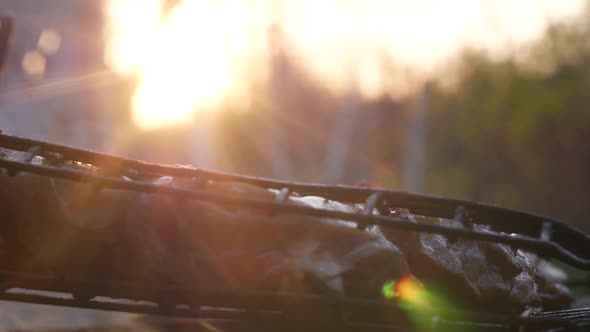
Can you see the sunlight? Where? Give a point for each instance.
(132, 25)
(203, 55)
(198, 56)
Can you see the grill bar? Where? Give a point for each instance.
(539, 246)
(526, 231)
(252, 305)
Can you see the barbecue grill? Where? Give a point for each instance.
(278, 311)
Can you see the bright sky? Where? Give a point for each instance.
(207, 51)
(333, 34)
(426, 31)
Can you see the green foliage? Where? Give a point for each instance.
(516, 136)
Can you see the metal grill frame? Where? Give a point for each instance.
(546, 237)
(531, 232)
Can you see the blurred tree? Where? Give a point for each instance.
(517, 132)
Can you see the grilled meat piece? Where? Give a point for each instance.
(482, 272)
(246, 247)
(60, 226)
(555, 296)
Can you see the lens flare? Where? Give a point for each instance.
(412, 292)
(419, 302)
(388, 290)
(407, 290)
(413, 299)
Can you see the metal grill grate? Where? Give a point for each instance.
(546, 237)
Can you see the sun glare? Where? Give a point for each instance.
(196, 57)
(200, 55)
